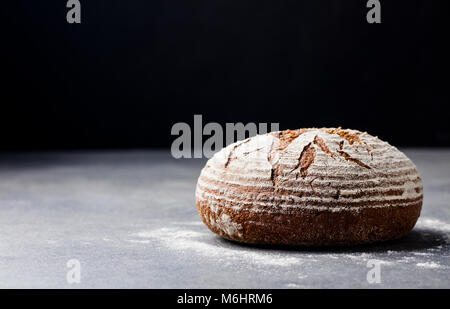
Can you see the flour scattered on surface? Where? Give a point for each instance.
(406, 259)
(192, 223)
(358, 257)
(432, 223)
(187, 240)
(387, 263)
(365, 257)
(293, 286)
(423, 253)
(139, 241)
(181, 238)
(430, 265)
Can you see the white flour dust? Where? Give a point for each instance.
(430, 265)
(417, 258)
(145, 241)
(187, 240)
(423, 253)
(434, 224)
(365, 257)
(294, 286)
(181, 239)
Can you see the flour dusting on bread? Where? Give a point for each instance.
(305, 171)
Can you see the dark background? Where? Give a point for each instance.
(132, 69)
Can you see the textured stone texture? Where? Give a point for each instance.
(131, 220)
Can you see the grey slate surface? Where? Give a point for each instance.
(130, 220)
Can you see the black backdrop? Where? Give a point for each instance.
(132, 69)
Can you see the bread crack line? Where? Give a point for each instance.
(230, 155)
(307, 157)
(349, 158)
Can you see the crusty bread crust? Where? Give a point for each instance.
(310, 187)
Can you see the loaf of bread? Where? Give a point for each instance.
(310, 187)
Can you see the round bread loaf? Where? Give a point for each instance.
(310, 187)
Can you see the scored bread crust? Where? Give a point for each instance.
(311, 187)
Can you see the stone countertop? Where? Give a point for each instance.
(129, 219)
